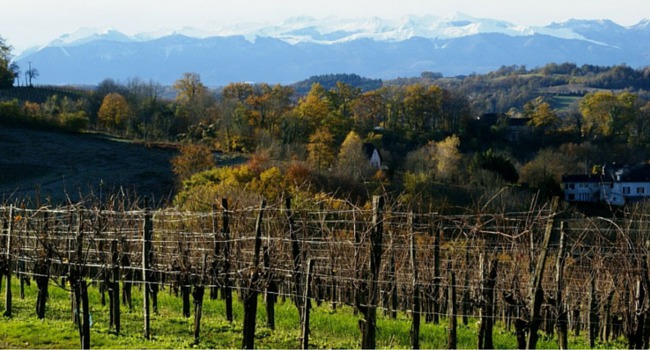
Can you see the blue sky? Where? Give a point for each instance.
(27, 23)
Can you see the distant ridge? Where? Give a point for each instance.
(298, 48)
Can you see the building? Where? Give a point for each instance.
(614, 185)
(583, 187)
(373, 155)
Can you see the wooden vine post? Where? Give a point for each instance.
(436, 276)
(42, 271)
(197, 293)
(78, 284)
(536, 292)
(7, 312)
(488, 282)
(271, 288)
(114, 289)
(214, 290)
(227, 285)
(297, 260)
(369, 311)
(146, 266)
(561, 325)
(250, 295)
(452, 311)
(593, 312)
(304, 338)
(415, 297)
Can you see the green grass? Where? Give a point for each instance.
(329, 328)
(563, 102)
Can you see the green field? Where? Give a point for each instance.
(329, 328)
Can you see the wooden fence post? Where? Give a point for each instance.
(416, 309)
(250, 296)
(146, 250)
(304, 338)
(227, 286)
(369, 326)
(7, 312)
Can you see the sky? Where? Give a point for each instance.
(28, 23)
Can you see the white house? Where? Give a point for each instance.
(372, 153)
(615, 185)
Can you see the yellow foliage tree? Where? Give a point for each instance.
(352, 160)
(321, 149)
(447, 157)
(114, 112)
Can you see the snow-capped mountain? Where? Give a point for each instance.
(86, 35)
(300, 47)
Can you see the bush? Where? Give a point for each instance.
(75, 122)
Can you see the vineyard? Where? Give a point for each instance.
(544, 271)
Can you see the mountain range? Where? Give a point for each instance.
(301, 47)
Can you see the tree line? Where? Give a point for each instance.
(429, 130)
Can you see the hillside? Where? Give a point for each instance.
(55, 165)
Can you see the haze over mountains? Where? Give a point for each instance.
(301, 47)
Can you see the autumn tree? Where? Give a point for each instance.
(114, 112)
(423, 108)
(321, 149)
(352, 161)
(541, 115)
(314, 107)
(447, 158)
(545, 171)
(341, 97)
(191, 160)
(606, 114)
(368, 112)
(192, 99)
(150, 111)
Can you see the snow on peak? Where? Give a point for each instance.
(85, 35)
(331, 30)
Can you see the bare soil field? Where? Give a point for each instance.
(54, 167)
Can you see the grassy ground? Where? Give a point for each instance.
(330, 328)
(58, 166)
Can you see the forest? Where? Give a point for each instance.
(445, 141)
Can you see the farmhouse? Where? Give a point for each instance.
(614, 185)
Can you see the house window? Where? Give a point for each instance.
(640, 190)
(572, 186)
(572, 196)
(626, 190)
